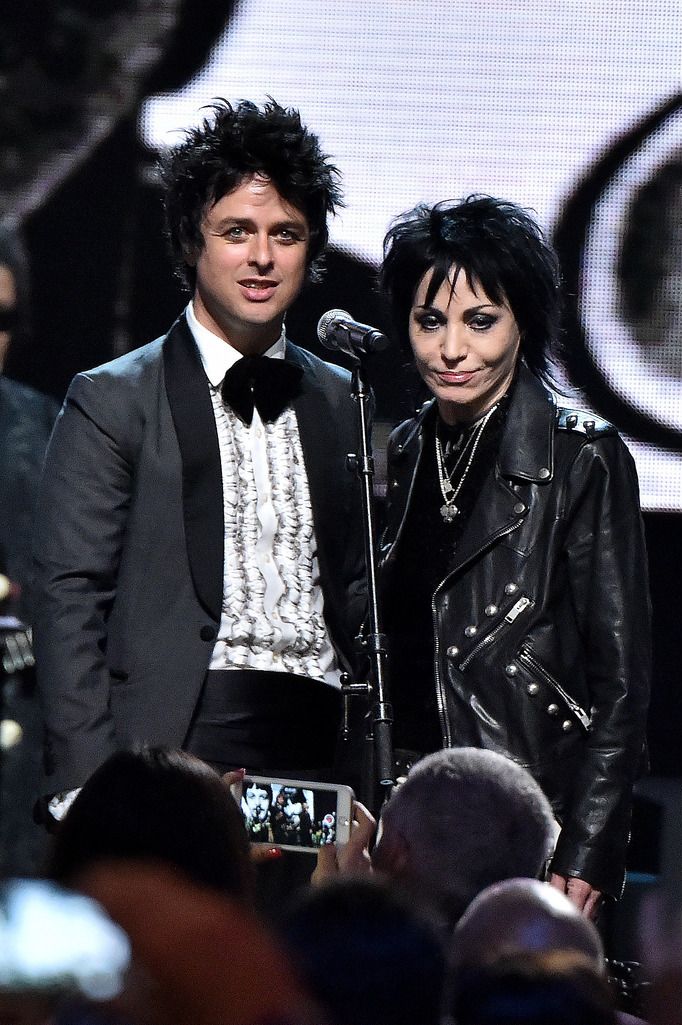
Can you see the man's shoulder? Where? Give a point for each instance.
(131, 366)
(327, 373)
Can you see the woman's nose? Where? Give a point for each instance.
(454, 347)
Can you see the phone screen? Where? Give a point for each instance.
(294, 814)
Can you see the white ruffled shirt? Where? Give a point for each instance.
(273, 610)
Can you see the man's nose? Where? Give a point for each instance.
(260, 251)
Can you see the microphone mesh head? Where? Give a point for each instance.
(327, 320)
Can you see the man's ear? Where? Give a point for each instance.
(392, 853)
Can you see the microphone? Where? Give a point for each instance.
(336, 329)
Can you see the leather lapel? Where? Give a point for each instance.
(202, 489)
(525, 457)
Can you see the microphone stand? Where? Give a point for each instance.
(374, 643)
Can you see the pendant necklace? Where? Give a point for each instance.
(449, 510)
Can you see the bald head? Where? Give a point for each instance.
(520, 916)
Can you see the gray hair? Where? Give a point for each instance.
(471, 818)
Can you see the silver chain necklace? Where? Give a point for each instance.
(449, 510)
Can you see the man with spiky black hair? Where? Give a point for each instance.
(198, 562)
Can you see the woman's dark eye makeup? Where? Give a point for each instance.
(429, 318)
(480, 321)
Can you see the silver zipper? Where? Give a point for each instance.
(520, 606)
(529, 660)
(446, 733)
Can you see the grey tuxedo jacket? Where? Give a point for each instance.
(128, 552)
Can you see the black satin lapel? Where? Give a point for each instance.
(324, 456)
(202, 487)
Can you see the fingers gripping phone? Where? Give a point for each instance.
(294, 814)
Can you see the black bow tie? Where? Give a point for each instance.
(268, 384)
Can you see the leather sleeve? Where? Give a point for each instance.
(608, 576)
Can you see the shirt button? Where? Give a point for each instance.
(208, 633)
(453, 651)
(490, 610)
(470, 631)
(511, 588)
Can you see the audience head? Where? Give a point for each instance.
(366, 954)
(520, 916)
(561, 988)
(463, 819)
(230, 147)
(162, 804)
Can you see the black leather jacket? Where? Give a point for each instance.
(542, 626)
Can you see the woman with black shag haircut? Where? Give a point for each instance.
(513, 561)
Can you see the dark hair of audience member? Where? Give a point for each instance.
(159, 804)
(366, 954)
(558, 988)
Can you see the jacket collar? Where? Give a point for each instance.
(527, 445)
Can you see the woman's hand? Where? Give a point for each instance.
(582, 894)
(348, 859)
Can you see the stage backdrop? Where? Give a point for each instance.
(570, 109)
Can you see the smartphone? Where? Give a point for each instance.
(294, 814)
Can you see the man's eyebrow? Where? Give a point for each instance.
(248, 222)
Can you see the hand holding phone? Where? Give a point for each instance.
(353, 858)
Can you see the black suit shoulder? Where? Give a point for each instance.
(329, 374)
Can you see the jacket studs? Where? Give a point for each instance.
(453, 651)
(511, 588)
(552, 709)
(532, 689)
(470, 631)
(519, 508)
(567, 725)
(491, 610)
(543, 473)
(511, 669)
